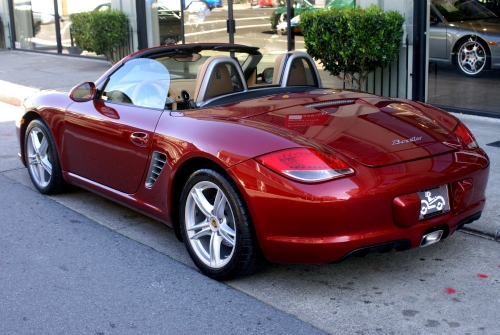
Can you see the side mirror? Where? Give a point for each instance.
(83, 92)
(267, 75)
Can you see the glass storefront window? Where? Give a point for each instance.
(301, 6)
(169, 22)
(464, 52)
(35, 25)
(205, 21)
(68, 7)
(4, 25)
(164, 22)
(256, 26)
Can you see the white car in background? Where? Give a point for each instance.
(281, 28)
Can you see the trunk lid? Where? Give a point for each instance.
(371, 130)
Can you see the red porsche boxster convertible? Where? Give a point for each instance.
(247, 167)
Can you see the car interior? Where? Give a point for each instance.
(192, 79)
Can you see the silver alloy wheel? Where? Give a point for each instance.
(38, 157)
(471, 57)
(210, 224)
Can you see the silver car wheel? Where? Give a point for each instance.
(38, 157)
(210, 224)
(471, 57)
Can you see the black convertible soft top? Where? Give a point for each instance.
(194, 48)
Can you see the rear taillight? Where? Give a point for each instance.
(465, 136)
(306, 165)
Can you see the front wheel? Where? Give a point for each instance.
(216, 227)
(42, 159)
(472, 57)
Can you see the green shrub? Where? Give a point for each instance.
(353, 41)
(99, 31)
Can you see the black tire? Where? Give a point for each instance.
(226, 228)
(42, 160)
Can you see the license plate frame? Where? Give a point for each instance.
(433, 201)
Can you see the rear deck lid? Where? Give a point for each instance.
(372, 130)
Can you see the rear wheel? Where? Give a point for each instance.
(216, 227)
(42, 159)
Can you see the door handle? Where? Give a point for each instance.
(140, 139)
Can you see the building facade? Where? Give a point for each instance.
(45, 26)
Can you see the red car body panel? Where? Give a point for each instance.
(107, 148)
(44, 105)
(99, 143)
(354, 136)
(323, 222)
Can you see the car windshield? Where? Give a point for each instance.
(140, 82)
(462, 10)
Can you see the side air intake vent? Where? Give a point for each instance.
(330, 103)
(157, 164)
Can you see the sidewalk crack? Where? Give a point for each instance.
(15, 169)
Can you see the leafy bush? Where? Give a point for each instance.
(99, 31)
(353, 41)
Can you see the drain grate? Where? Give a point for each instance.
(494, 144)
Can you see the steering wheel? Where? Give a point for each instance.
(150, 93)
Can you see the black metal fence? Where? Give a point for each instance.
(127, 47)
(389, 81)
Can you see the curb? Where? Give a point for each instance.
(481, 233)
(14, 94)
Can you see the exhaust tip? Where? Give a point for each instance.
(431, 238)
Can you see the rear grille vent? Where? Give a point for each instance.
(157, 163)
(325, 104)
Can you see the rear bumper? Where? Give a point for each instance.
(401, 245)
(323, 223)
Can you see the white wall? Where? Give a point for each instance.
(404, 7)
(128, 7)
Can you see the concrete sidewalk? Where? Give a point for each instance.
(24, 73)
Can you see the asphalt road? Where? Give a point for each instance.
(78, 263)
(63, 273)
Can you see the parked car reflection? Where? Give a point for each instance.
(278, 16)
(197, 13)
(281, 28)
(261, 3)
(464, 33)
(169, 21)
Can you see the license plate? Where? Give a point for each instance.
(433, 202)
